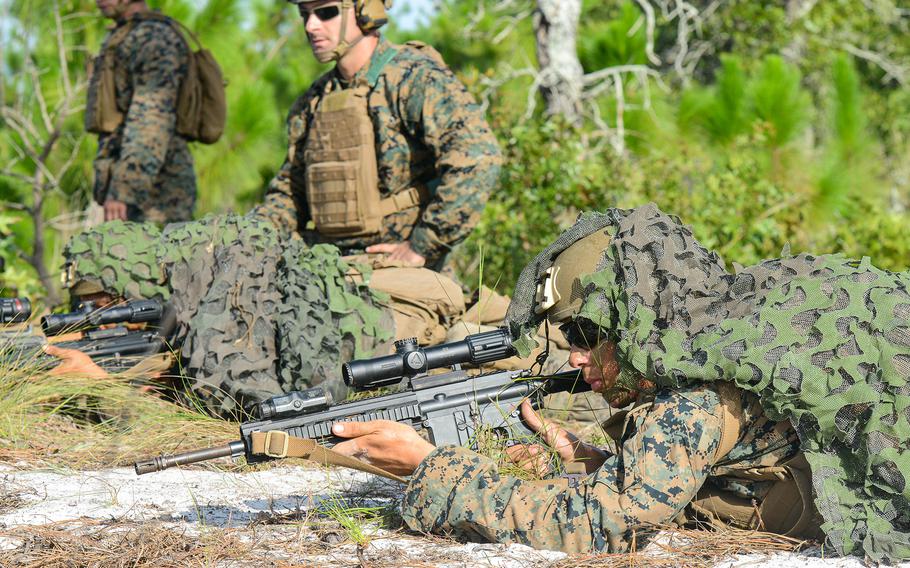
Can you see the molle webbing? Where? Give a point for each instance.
(341, 167)
(102, 115)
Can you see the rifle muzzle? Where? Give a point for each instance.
(162, 462)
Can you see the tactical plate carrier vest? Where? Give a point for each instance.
(342, 177)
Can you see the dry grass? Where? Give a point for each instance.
(690, 548)
(83, 422)
(99, 545)
(10, 499)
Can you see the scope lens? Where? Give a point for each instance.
(15, 310)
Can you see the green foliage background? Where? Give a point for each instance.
(782, 132)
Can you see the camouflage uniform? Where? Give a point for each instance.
(253, 317)
(145, 163)
(666, 455)
(822, 341)
(428, 130)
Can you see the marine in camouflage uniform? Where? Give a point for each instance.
(253, 317)
(144, 163)
(806, 357)
(428, 131)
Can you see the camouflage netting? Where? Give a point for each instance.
(825, 342)
(120, 257)
(326, 318)
(223, 273)
(241, 296)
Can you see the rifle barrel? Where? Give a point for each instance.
(162, 462)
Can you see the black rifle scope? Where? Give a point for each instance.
(135, 311)
(410, 359)
(15, 310)
(295, 403)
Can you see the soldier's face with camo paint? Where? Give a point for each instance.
(322, 21)
(600, 369)
(595, 355)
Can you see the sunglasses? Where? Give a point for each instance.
(582, 333)
(324, 14)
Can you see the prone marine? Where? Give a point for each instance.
(251, 316)
(776, 398)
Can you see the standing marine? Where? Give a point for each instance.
(777, 398)
(143, 168)
(387, 152)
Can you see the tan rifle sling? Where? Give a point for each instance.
(201, 102)
(342, 177)
(278, 444)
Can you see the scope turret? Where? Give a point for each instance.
(411, 360)
(15, 310)
(88, 315)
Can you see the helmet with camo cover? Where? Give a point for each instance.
(553, 286)
(119, 258)
(824, 341)
(370, 15)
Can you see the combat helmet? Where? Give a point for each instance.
(119, 258)
(370, 16)
(555, 286)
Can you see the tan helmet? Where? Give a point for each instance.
(370, 14)
(560, 292)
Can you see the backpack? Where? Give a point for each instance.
(201, 104)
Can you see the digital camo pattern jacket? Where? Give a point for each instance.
(145, 163)
(427, 127)
(667, 454)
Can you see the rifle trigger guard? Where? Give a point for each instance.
(268, 444)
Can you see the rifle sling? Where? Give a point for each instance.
(278, 444)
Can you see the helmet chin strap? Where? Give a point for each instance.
(343, 45)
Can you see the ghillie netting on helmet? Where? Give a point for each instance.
(824, 341)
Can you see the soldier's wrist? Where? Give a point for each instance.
(423, 244)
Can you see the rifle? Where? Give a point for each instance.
(115, 349)
(452, 406)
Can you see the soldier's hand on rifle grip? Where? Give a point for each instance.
(535, 458)
(73, 362)
(396, 448)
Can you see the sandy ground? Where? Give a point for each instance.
(271, 515)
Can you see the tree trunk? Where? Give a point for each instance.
(561, 75)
